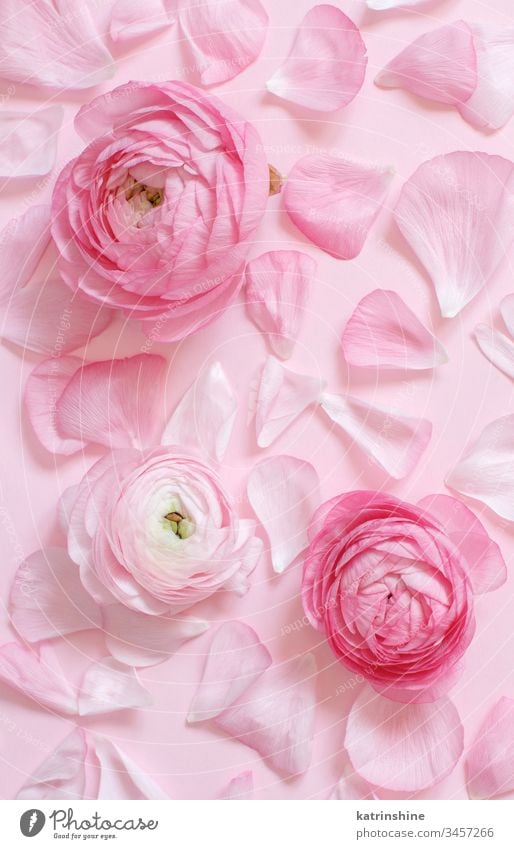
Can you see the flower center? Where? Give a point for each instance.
(180, 525)
(142, 196)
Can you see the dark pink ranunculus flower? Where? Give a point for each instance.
(391, 584)
(156, 215)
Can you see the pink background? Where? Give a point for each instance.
(387, 127)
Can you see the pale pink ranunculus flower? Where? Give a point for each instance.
(157, 214)
(391, 585)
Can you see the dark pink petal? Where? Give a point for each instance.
(403, 747)
(284, 493)
(28, 141)
(334, 202)
(236, 659)
(326, 65)
(276, 716)
(283, 396)
(383, 332)
(497, 347)
(109, 685)
(118, 776)
(47, 597)
(490, 760)
(23, 242)
(63, 774)
(240, 788)
(130, 19)
(491, 105)
(37, 677)
(225, 36)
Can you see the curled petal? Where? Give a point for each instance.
(277, 290)
(23, 242)
(241, 787)
(497, 347)
(334, 202)
(492, 103)
(225, 35)
(118, 776)
(284, 493)
(383, 332)
(283, 396)
(486, 471)
(204, 418)
(395, 442)
(276, 717)
(403, 747)
(63, 774)
(36, 677)
(326, 66)
(130, 20)
(109, 685)
(236, 659)
(490, 760)
(456, 212)
(28, 141)
(439, 65)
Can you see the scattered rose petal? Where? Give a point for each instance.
(492, 103)
(352, 786)
(236, 659)
(47, 598)
(276, 717)
(486, 471)
(334, 202)
(241, 787)
(284, 493)
(326, 65)
(283, 396)
(45, 385)
(109, 685)
(490, 760)
(507, 313)
(277, 290)
(63, 774)
(36, 677)
(395, 442)
(28, 141)
(497, 347)
(383, 332)
(204, 418)
(118, 776)
(225, 36)
(17, 260)
(456, 213)
(403, 747)
(130, 19)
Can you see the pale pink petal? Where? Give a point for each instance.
(23, 242)
(28, 141)
(138, 639)
(283, 396)
(381, 5)
(52, 43)
(326, 65)
(456, 212)
(497, 347)
(284, 493)
(236, 659)
(109, 685)
(204, 418)
(383, 332)
(492, 103)
(352, 786)
(118, 776)
(50, 319)
(225, 36)
(249, 548)
(276, 717)
(277, 290)
(240, 788)
(130, 19)
(63, 774)
(486, 471)
(395, 442)
(37, 678)
(45, 385)
(490, 760)
(403, 747)
(507, 313)
(334, 202)
(439, 65)
(47, 597)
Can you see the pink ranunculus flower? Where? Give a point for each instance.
(391, 584)
(157, 214)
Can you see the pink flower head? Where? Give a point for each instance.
(391, 585)
(156, 215)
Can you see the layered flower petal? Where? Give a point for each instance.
(130, 20)
(490, 760)
(383, 332)
(17, 260)
(395, 442)
(36, 677)
(440, 65)
(486, 471)
(109, 685)
(456, 212)
(327, 62)
(492, 103)
(28, 141)
(118, 776)
(276, 717)
(403, 747)
(241, 787)
(236, 659)
(283, 396)
(497, 347)
(63, 774)
(137, 639)
(334, 202)
(225, 35)
(205, 417)
(284, 493)
(277, 290)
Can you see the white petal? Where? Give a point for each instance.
(283, 396)
(28, 141)
(109, 685)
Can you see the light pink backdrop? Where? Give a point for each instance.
(388, 127)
